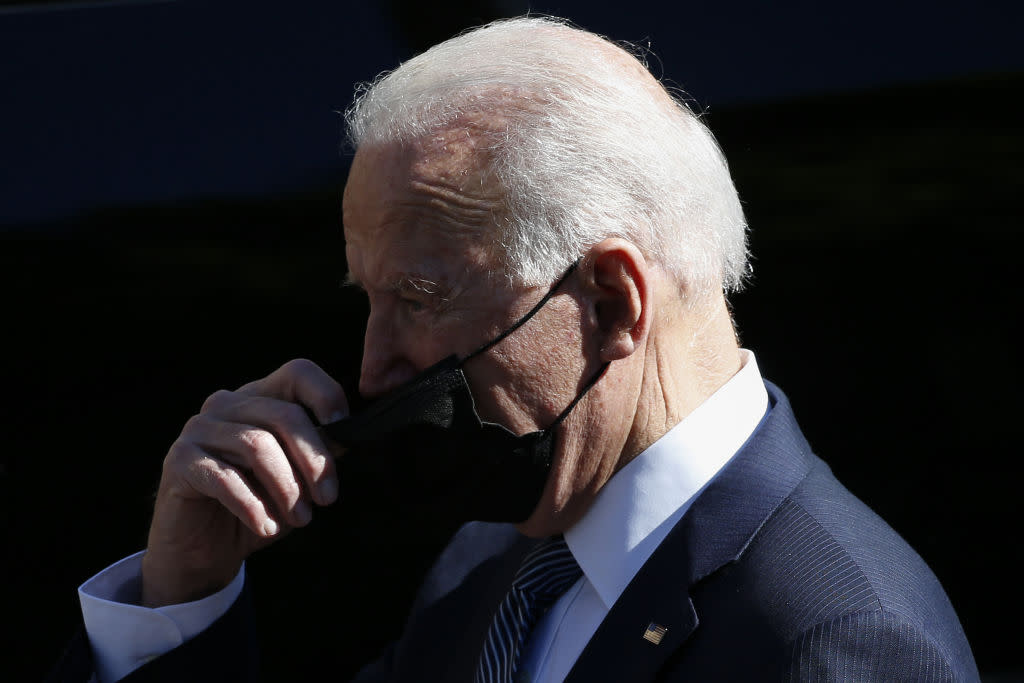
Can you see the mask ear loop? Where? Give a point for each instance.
(586, 387)
(522, 321)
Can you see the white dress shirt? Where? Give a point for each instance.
(634, 512)
(630, 517)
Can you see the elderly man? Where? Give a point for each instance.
(546, 239)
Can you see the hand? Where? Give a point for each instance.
(242, 473)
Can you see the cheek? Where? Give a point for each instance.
(496, 391)
(553, 358)
(528, 382)
(425, 346)
(396, 348)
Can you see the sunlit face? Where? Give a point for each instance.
(418, 223)
(417, 229)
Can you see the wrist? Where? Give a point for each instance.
(169, 583)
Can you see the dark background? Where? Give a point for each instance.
(170, 177)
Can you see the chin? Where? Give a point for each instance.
(546, 520)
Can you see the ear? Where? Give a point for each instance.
(618, 292)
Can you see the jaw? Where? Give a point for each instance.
(587, 455)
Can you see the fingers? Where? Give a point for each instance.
(303, 381)
(257, 452)
(268, 436)
(224, 483)
(264, 460)
(241, 473)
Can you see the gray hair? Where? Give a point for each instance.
(589, 146)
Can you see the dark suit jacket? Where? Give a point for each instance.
(775, 572)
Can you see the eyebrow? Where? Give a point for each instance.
(407, 283)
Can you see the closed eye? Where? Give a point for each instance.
(412, 305)
(415, 295)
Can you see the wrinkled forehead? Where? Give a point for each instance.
(421, 208)
(441, 178)
(457, 139)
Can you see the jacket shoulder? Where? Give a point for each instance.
(844, 589)
(873, 645)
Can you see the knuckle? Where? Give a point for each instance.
(216, 400)
(285, 418)
(256, 442)
(194, 424)
(281, 494)
(221, 479)
(202, 474)
(300, 366)
(253, 507)
(317, 466)
(178, 455)
(291, 415)
(292, 492)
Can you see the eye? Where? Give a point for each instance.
(412, 305)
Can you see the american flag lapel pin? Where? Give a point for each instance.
(654, 633)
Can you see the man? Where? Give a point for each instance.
(529, 203)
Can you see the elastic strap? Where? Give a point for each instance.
(586, 387)
(522, 321)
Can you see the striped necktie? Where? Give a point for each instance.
(547, 571)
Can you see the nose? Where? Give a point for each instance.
(385, 365)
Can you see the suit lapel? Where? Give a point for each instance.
(618, 650)
(715, 530)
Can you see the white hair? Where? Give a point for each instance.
(587, 146)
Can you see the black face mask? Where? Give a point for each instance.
(427, 437)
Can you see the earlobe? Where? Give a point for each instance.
(620, 296)
(616, 349)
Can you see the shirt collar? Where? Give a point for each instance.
(637, 507)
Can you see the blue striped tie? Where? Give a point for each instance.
(546, 572)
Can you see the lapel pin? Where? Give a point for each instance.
(654, 633)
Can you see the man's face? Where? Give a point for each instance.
(418, 219)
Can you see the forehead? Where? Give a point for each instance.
(426, 207)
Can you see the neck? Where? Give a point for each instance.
(689, 355)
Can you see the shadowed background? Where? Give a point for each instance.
(170, 225)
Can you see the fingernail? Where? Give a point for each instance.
(270, 527)
(328, 490)
(335, 416)
(303, 513)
